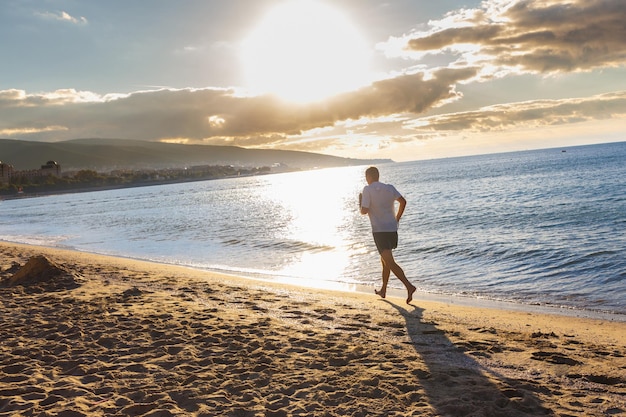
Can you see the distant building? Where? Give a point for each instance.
(6, 171)
(49, 168)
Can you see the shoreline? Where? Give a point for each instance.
(140, 338)
(419, 295)
(89, 189)
(454, 299)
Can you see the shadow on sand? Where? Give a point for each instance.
(456, 384)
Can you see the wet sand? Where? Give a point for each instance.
(106, 336)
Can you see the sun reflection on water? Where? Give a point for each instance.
(319, 211)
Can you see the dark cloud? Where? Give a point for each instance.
(536, 36)
(531, 114)
(205, 114)
(404, 94)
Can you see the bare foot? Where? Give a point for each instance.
(410, 297)
(381, 293)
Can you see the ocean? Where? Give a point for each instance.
(533, 228)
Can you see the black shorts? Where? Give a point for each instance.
(385, 240)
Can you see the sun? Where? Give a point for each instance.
(305, 50)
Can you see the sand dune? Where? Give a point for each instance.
(106, 336)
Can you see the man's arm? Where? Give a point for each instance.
(364, 210)
(400, 212)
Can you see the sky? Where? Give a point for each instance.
(405, 80)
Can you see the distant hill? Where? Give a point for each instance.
(104, 155)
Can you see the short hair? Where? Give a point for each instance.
(373, 173)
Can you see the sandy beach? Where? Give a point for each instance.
(92, 335)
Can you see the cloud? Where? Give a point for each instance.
(527, 36)
(214, 114)
(538, 113)
(63, 17)
(536, 116)
(19, 98)
(222, 116)
(31, 130)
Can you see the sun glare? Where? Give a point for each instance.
(304, 50)
(320, 228)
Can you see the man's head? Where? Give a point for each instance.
(371, 175)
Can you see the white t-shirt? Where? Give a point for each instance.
(380, 199)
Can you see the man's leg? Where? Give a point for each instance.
(386, 274)
(387, 257)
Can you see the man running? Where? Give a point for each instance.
(378, 201)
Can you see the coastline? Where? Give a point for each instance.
(89, 189)
(141, 338)
(453, 299)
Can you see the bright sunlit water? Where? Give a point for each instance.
(538, 227)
